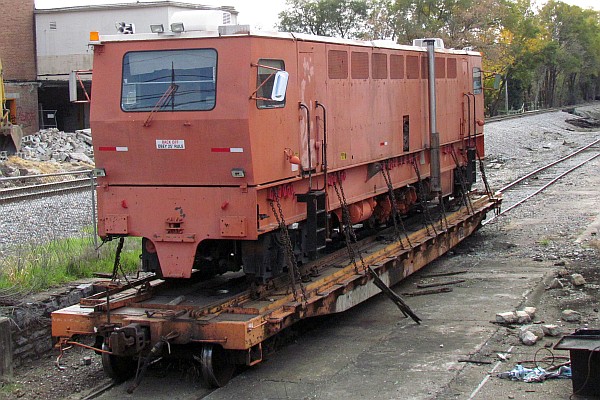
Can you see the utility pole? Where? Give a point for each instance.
(506, 93)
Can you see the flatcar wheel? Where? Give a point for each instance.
(118, 368)
(216, 368)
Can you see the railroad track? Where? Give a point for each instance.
(537, 181)
(498, 118)
(13, 194)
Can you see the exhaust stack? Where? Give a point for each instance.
(434, 136)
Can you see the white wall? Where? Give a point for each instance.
(61, 50)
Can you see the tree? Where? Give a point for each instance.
(549, 57)
(342, 18)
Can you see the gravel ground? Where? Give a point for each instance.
(35, 221)
(517, 146)
(525, 236)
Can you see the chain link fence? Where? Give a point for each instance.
(38, 209)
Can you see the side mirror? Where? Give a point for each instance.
(497, 81)
(279, 86)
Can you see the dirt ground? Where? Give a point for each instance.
(369, 352)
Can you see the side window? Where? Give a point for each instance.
(264, 82)
(477, 85)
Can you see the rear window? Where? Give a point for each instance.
(169, 80)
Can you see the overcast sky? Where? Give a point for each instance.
(261, 14)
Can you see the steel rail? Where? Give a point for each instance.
(551, 182)
(44, 189)
(521, 179)
(499, 118)
(99, 390)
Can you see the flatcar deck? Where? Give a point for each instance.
(227, 312)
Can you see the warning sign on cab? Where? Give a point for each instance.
(170, 144)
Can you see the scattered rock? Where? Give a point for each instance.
(556, 284)
(531, 311)
(562, 272)
(571, 316)
(530, 334)
(523, 317)
(577, 280)
(528, 338)
(551, 330)
(506, 318)
(561, 263)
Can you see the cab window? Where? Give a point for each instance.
(169, 80)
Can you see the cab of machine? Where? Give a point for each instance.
(194, 110)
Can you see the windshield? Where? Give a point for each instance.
(170, 80)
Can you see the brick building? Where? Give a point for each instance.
(17, 51)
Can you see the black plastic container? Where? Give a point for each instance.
(584, 346)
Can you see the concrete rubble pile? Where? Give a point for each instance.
(52, 144)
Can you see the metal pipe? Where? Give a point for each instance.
(303, 106)
(324, 153)
(434, 136)
(94, 222)
(467, 95)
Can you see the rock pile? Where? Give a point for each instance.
(52, 144)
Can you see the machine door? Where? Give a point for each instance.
(311, 84)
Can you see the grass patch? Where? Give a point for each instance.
(544, 242)
(9, 389)
(38, 267)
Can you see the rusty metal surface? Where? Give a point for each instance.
(237, 321)
(195, 184)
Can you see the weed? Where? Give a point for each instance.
(544, 242)
(35, 267)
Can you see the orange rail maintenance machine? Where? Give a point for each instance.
(258, 169)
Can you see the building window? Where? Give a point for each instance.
(53, 25)
(169, 80)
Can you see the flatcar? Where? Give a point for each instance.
(208, 143)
